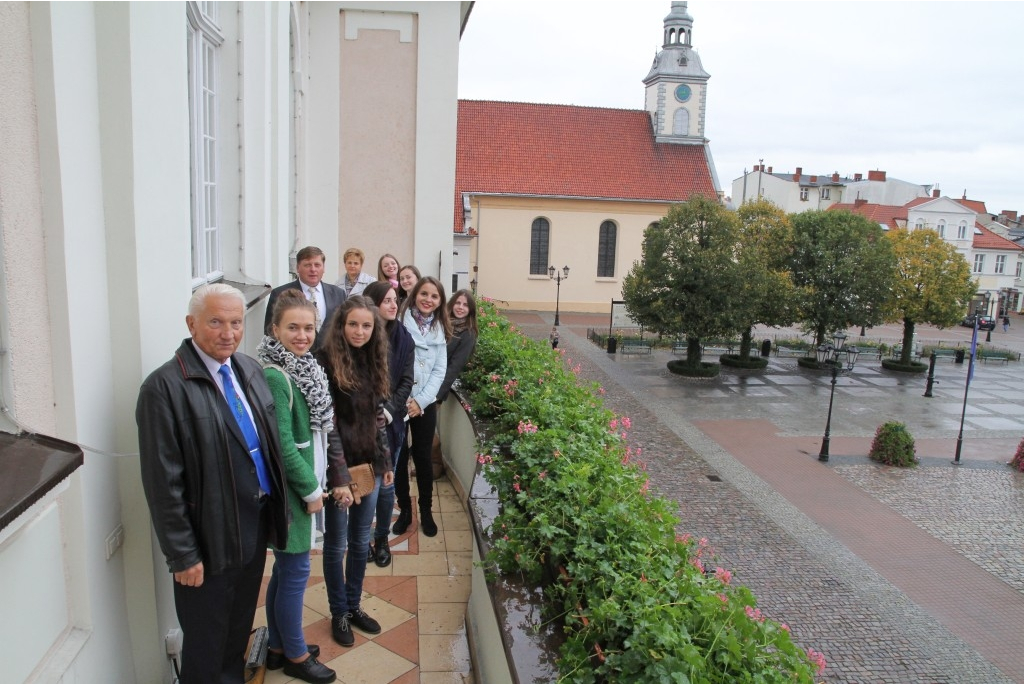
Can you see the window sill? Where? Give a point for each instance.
(31, 466)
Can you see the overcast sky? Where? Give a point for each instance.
(930, 92)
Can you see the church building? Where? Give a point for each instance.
(540, 186)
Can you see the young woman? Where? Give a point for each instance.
(400, 362)
(387, 270)
(462, 315)
(408, 276)
(426, 319)
(304, 416)
(355, 279)
(355, 357)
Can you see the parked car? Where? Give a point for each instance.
(985, 322)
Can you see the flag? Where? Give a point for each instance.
(974, 350)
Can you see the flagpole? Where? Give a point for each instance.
(967, 386)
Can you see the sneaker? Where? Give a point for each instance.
(341, 631)
(360, 619)
(310, 670)
(275, 660)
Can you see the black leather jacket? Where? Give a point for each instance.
(189, 483)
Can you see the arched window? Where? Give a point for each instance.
(961, 231)
(919, 223)
(681, 122)
(941, 228)
(606, 249)
(539, 234)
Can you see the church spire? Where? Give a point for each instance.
(677, 83)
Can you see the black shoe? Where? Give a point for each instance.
(275, 660)
(341, 631)
(310, 670)
(402, 522)
(382, 553)
(360, 619)
(429, 527)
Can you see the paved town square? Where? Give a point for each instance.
(896, 575)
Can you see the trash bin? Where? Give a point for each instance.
(766, 348)
(613, 344)
(959, 358)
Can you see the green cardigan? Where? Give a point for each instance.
(298, 461)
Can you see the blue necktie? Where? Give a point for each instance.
(252, 438)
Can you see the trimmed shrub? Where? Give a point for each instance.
(706, 369)
(893, 445)
(734, 361)
(912, 367)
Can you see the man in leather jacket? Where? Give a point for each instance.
(214, 480)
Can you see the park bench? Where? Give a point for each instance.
(943, 352)
(897, 352)
(635, 347)
(720, 346)
(791, 352)
(1003, 357)
(679, 347)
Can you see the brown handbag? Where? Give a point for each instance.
(363, 479)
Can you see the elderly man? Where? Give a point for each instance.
(309, 263)
(214, 479)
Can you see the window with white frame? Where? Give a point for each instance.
(941, 228)
(919, 223)
(961, 231)
(803, 194)
(1019, 265)
(204, 40)
(979, 263)
(826, 193)
(1000, 264)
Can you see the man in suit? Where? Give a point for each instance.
(214, 479)
(309, 263)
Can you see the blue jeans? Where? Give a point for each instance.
(347, 529)
(386, 500)
(284, 603)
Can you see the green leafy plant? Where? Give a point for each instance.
(893, 445)
(574, 496)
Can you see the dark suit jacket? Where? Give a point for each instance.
(333, 297)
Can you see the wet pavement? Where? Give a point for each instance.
(896, 575)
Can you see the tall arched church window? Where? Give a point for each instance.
(606, 249)
(681, 122)
(539, 235)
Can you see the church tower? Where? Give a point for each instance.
(677, 84)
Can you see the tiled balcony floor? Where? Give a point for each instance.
(420, 601)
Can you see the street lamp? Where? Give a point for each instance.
(558, 277)
(831, 354)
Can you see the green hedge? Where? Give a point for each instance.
(574, 495)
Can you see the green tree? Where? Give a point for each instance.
(687, 278)
(933, 283)
(766, 292)
(843, 268)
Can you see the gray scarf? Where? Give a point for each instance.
(308, 375)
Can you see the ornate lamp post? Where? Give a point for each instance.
(831, 354)
(558, 277)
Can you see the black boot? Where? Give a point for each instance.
(402, 522)
(427, 519)
(381, 552)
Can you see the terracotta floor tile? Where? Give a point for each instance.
(410, 676)
(403, 595)
(375, 585)
(369, 663)
(402, 640)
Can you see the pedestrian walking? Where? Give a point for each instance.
(554, 338)
(1006, 323)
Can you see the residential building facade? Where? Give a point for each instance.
(150, 148)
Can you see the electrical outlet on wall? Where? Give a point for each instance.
(115, 540)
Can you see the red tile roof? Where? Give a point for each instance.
(523, 148)
(881, 214)
(985, 239)
(976, 206)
